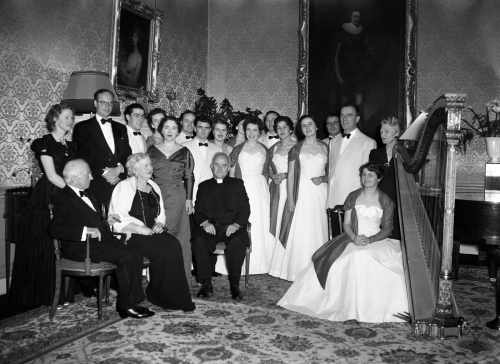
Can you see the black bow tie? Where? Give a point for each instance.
(346, 135)
(104, 121)
(84, 193)
(203, 144)
(136, 133)
(273, 137)
(189, 136)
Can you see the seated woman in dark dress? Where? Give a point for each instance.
(137, 203)
(390, 130)
(33, 271)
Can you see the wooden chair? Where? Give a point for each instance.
(335, 219)
(69, 268)
(221, 247)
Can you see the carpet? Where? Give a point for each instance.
(257, 331)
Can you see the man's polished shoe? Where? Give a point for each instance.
(144, 311)
(205, 291)
(236, 293)
(132, 312)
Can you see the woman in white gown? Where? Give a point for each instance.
(304, 223)
(359, 274)
(249, 162)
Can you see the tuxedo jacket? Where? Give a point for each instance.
(92, 147)
(222, 203)
(343, 168)
(71, 214)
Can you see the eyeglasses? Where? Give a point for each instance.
(105, 103)
(139, 116)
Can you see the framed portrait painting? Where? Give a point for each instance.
(135, 49)
(361, 53)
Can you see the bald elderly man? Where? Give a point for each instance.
(76, 215)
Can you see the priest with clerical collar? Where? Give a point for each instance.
(221, 215)
(135, 116)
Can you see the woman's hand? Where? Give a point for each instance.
(189, 207)
(158, 228)
(317, 180)
(361, 240)
(144, 230)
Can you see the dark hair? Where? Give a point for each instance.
(152, 113)
(331, 114)
(164, 120)
(255, 121)
(130, 108)
(377, 168)
(185, 113)
(298, 126)
(286, 119)
(222, 122)
(202, 120)
(354, 106)
(102, 91)
(266, 115)
(54, 112)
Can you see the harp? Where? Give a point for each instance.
(425, 186)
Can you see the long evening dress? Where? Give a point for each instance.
(309, 228)
(175, 177)
(34, 265)
(281, 163)
(168, 287)
(365, 283)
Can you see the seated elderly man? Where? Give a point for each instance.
(76, 215)
(221, 215)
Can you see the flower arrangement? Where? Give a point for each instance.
(485, 124)
(206, 107)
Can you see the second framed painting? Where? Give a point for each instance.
(358, 52)
(135, 49)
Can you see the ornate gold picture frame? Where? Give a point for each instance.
(407, 59)
(135, 48)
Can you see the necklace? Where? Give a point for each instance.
(142, 205)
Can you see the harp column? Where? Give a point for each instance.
(445, 306)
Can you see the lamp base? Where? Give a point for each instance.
(440, 327)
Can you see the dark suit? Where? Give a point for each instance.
(388, 183)
(92, 147)
(71, 214)
(221, 204)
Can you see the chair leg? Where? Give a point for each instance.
(57, 289)
(247, 268)
(66, 286)
(99, 297)
(108, 286)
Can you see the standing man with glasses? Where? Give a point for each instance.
(135, 116)
(103, 144)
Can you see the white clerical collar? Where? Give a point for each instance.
(219, 180)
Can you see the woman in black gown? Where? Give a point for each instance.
(33, 272)
(138, 204)
(390, 130)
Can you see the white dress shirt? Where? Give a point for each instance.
(346, 141)
(137, 142)
(107, 131)
(202, 156)
(269, 139)
(89, 204)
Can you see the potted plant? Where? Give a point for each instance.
(487, 125)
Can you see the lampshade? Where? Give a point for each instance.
(82, 85)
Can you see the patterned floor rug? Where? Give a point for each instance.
(257, 331)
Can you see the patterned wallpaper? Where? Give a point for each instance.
(459, 51)
(252, 54)
(42, 42)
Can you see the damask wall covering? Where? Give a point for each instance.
(42, 42)
(252, 53)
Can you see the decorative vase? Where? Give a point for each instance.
(493, 149)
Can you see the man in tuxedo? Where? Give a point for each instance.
(187, 119)
(76, 215)
(135, 116)
(347, 152)
(332, 125)
(202, 151)
(221, 215)
(270, 137)
(103, 144)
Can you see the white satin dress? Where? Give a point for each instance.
(366, 283)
